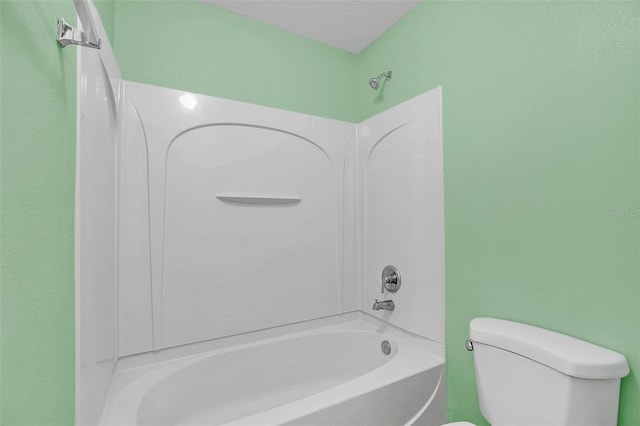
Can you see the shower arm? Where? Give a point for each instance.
(384, 74)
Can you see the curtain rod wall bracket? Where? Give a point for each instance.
(68, 35)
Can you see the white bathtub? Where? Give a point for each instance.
(324, 372)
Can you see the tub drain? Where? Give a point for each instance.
(386, 347)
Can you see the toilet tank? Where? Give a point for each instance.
(529, 376)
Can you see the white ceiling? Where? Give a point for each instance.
(346, 24)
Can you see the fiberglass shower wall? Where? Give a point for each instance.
(401, 222)
(98, 88)
(232, 218)
(235, 217)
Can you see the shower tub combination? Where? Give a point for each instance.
(307, 374)
(248, 252)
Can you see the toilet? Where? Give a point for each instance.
(530, 376)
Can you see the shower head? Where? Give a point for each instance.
(375, 82)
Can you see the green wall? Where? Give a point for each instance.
(37, 132)
(106, 9)
(541, 151)
(541, 113)
(192, 46)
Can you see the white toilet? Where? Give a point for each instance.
(529, 376)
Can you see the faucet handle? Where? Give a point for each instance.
(390, 279)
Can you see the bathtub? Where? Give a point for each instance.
(324, 372)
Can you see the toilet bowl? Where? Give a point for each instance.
(532, 376)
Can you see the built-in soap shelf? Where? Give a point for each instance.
(245, 198)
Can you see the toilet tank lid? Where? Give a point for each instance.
(566, 354)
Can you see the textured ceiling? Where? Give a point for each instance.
(346, 24)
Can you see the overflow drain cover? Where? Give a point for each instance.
(386, 347)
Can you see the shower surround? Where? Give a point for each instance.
(247, 233)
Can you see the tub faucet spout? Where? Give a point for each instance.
(386, 305)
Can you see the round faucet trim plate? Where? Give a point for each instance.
(391, 279)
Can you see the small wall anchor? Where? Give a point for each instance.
(68, 35)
